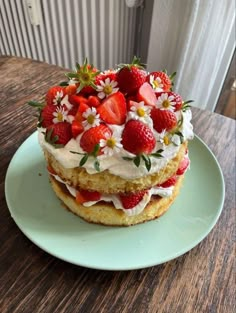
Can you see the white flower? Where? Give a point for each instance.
(111, 144)
(58, 97)
(140, 111)
(156, 83)
(166, 102)
(60, 115)
(106, 88)
(166, 138)
(66, 102)
(92, 119)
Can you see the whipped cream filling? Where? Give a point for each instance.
(158, 191)
(115, 164)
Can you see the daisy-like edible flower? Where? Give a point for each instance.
(106, 88)
(166, 102)
(156, 83)
(140, 111)
(58, 97)
(111, 144)
(65, 102)
(166, 138)
(60, 115)
(92, 119)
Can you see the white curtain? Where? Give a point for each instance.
(196, 38)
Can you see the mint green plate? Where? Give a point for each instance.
(41, 217)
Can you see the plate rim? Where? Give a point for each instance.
(116, 268)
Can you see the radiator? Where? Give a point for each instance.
(70, 30)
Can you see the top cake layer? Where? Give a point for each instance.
(125, 121)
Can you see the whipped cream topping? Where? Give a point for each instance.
(115, 164)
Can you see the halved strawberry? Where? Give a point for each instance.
(81, 109)
(94, 101)
(58, 134)
(83, 195)
(184, 164)
(103, 76)
(146, 94)
(55, 95)
(92, 137)
(138, 138)
(163, 120)
(46, 115)
(169, 182)
(77, 99)
(113, 109)
(76, 128)
(130, 200)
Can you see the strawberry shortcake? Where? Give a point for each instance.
(115, 142)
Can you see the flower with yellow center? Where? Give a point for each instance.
(91, 117)
(58, 98)
(167, 138)
(60, 115)
(166, 102)
(111, 144)
(156, 83)
(140, 111)
(106, 88)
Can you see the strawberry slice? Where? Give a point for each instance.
(147, 94)
(184, 164)
(130, 200)
(81, 109)
(169, 182)
(94, 101)
(85, 195)
(113, 109)
(76, 128)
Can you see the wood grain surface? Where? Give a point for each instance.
(202, 280)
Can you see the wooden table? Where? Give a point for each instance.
(202, 280)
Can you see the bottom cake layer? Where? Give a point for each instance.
(105, 213)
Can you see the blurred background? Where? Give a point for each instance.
(196, 38)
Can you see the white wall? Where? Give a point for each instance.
(196, 38)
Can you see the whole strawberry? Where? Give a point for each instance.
(130, 200)
(58, 134)
(138, 138)
(92, 137)
(131, 76)
(46, 115)
(160, 81)
(163, 119)
(55, 95)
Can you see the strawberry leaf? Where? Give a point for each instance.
(97, 165)
(147, 161)
(83, 160)
(36, 104)
(137, 160)
(64, 84)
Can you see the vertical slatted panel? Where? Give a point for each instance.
(69, 31)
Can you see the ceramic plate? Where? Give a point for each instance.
(41, 217)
